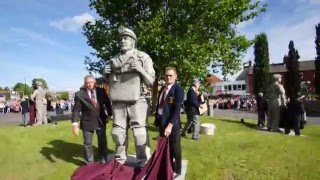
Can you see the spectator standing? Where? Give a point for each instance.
(25, 111)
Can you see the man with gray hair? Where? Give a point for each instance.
(261, 109)
(192, 110)
(130, 74)
(39, 97)
(92, 107)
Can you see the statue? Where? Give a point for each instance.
(130, 74)
(39, 97)
(317, 41)
(276, 102)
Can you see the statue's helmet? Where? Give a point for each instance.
(126, 32)
(39, 83)
(277, 76)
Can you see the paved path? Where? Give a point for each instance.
(15, 118)
(235, 114)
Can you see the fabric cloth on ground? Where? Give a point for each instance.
(158, 167)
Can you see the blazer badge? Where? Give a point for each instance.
(170, 100)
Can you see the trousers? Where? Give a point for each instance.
(134, 115)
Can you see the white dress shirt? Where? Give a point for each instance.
(89, 93)
(160, 110)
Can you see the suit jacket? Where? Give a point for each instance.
(91, 116)
(171, 109)
(192, 102)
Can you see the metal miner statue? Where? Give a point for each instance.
(276, 102)
(39, 97)
(130, 73)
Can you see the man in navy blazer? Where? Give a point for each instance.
(90, 108)
(192, 110)
(167, 120)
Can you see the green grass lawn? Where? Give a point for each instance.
(236, 151)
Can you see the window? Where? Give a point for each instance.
(229, 88)
(243, 87)
(219, 87)
(234, 87)
(301, 75)
(239, 87)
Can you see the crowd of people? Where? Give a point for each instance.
(245, 103)
(34, 109)
(10, 107)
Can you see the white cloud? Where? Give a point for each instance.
(37, 36)
(303, 35)
(245, 24)
(299, 28)
(72, 24)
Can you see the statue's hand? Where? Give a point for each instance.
(136, 66)
(107, 69)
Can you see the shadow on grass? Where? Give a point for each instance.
(66, 151)
(56, 118)
(247, 124)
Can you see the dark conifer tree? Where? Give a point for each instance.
(292, 78)
(317, 61)
(261, 75)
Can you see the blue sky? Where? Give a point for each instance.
(42, 38)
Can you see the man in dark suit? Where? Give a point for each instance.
(167, 120)
(192, 110)
(91, 102)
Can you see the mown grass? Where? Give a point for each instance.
(236, 151)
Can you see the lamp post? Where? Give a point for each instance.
(25, 85)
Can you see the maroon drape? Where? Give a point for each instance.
(32, 112)
(158, 167)
(97, 171)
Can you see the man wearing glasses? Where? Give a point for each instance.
(167, 120)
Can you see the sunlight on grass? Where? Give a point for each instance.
(236, 151)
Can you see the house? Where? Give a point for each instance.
(219, 86)
(307, 74)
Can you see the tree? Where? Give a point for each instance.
(261, 75)
(292, 81)
(317, 61)
(44, 83)
(189, 35)
(186, 34)
(64, 95)
(22, 88)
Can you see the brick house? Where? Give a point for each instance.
(307, 74)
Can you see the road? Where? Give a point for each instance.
(15, 118)
(235, 114)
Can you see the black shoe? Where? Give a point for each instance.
(177, 175)
(183, 135)
(102, 160)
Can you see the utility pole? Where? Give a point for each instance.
(25, 86)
